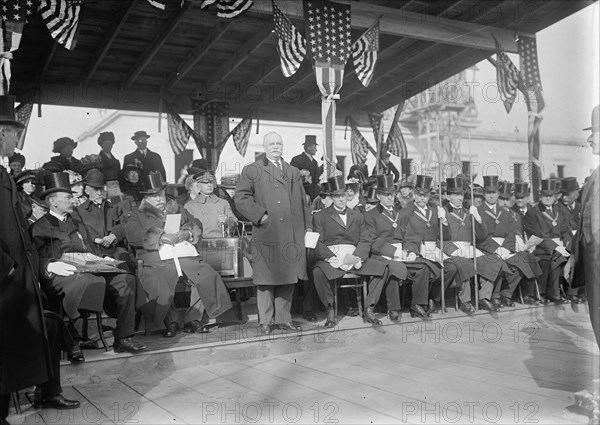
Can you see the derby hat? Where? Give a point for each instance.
(310, 139)
(106, 136)
(423, 184)
(490, 183)
(38, 202)
(454, 185)
(7, 111)
(505, 188)
(372, 195)
(337, 185)
(94, 178)
(204, 176)
(140, 135)
(549, 187)
(153, 183)
(522, 190)
(385, 183)
(325, 190)
(229, 181)
(595, 120)
(24, 176)
(56, 182)
(568, 185)
(59, 144)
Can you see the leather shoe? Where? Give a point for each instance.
(88, 343)
(583, 297)
(289, 326)
(574, 299)
(352, 312)
(309, 316)
(434, 307)
(125, 345)
(506, 302)
(369, 317)
(56, 402)
(195, 327)
(265, 329)
(496, 303)
(394, 315)
(75, 355)
(529, 300)
(330, 322)
(172, 330)
(467, 308)
(486, 304)
(418, 311)
(557, 300)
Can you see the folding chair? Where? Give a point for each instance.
(360, 284)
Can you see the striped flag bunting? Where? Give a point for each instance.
(241, 134)
(158, 3)
(508, 77)
(62, 19)
(228, 8)
(291, 46)
(211, 121)
(395, 143)
(23, 114)
(359, 147)
(364, 54)
(179, 131)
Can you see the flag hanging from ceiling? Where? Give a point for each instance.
(211, 124)
(158, 3)
(328, 43)
(23, 114)
(364, 54)
(359, 147)
(291, 46)
(508, 77)
(395, 143)
(62, 19)
(179, 131)
(228, 8)
(241, 134)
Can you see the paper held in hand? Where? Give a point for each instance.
(430, 251)
(90, 263)
(182, 249)
(343, 256)
(311, 239)
(465, 250)
(528, 246)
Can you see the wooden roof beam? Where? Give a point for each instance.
(51, 51)
(240, 56)
(123, 13)
(157, 43)
(196, 55)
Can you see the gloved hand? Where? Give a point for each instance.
(441, 213)
(502, 252)
(106, 241)
(562, 251)
(475, 213)
(175, 238)
(61, 269)
(358, 265)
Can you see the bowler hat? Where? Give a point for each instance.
(38, 202)
(454, 185)
(385, 183)
(204, 176)
(59, 144)
(94, 178)
(505, 189)
(56, 182)
(310, 139)
(7, 111)
(337, 185)
(568, 185)
(549, 187)
(24, 176)
(423, 184)
(106, 136)
(229, 181)
(153, 183)
(371, 195)
(595, 119)
(521, 190)
(490, 183)
(140, 135)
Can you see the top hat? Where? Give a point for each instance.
(517, 170)
(595, 120)
(106, 136)
(568, 185)
(110, 174)
(229, 181)
(371, 198)
(454, 185)
(558, 184)
(521, 190)
(405, 167)
(94, 178)
(24, 176)
(325, 190)
(56, 182)
(153, 183)
(59, 144)
(549, 187)
(490, 183)
(140, 135)
(310, 139)
(7, 111)
(337, 185)
(423, 184)
(204, 176)
(505, 189)
(385, 183)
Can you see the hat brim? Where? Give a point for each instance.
(338, 192)
(491, 188)
(153, 191)
(94, 185)
(455, 191)
(13, 122)
(547, 193)
(45, 193)
(422, 191)
(135, 138)
(387, 190)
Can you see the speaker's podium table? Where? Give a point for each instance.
(225, 255)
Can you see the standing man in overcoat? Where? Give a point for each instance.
(270, 194)
(309, 169)
(151, 161)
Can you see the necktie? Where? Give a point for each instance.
(278, 165)
(340, 212)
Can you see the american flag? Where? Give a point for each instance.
(508, 77)
(179, 131)
(364, 54)
(23, 114)
(291, 46)
(531, 72)
(359, 147)
(241, 134)
(228, 8)
(158, 3)
(211, 122)
(15, 14)
(395, 142)
(62, 19)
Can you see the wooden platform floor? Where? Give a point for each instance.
(521, 366)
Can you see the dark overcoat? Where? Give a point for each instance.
(278, 253)
(303, 162)
(110, 163)
(68, 164)
(100, 222)
(151, 162)
(24, 353)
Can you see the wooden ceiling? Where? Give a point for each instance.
(130, 54)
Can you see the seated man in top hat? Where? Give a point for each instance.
(521, 192)
(422, 237)
(568, 204)
(548, 223)
(64, 148)
(57, 233)
(150, 161)
(160, 278)
(386, 237)
(501, 240)
(213, 212)
(309, 169)
(341, 230)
